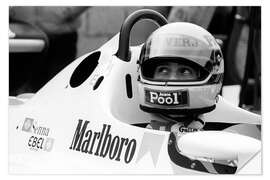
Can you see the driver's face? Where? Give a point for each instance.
(174, 71)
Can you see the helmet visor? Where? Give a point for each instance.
(182, 46)
(172, 69)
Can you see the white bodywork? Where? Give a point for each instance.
(56, 110)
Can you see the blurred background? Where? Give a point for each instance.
(45, 39)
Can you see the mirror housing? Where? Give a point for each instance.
(218, 145)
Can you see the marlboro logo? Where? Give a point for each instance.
(102, 143)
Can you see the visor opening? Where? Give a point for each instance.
(172, 69)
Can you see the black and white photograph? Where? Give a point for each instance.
(134, 90)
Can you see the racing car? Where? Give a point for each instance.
(87, 120)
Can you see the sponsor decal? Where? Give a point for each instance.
(102, 143)
(184, 129)
(40, 143)
(151, 143)
(181, 41)
(39, 139)
(168, 98)
(28, 125)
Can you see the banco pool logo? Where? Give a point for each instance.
(168, 98)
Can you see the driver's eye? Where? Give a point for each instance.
(163, 70)
(185, 71)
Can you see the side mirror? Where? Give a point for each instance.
(218, 145)
(215, 152)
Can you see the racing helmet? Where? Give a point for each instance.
(192, 54)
